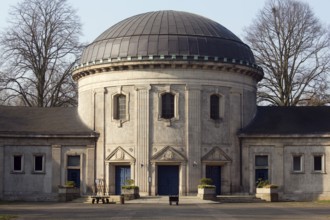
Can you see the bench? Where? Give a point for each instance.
(174, 199)
(104, 199)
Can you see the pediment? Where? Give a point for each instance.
(168, 154)
(120, 155)
(216, 154)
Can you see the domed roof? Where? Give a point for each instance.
(164, 34)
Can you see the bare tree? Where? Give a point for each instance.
(40, 47)
(292, 47)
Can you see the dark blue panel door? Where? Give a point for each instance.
(168, 180)
(261, 174)
(214, 173)
(123, 173)
(74, 175)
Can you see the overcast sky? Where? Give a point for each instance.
(98, 15)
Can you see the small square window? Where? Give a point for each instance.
(38, 163)
(318, 163)
(297, 163)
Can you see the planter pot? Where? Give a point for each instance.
(206, 193)
(130, 194)
(267, 194)
(68, 193)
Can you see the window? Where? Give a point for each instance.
(73, 169)
(18, 163)
(261, 160)
(215, 107)
(120, 107)
(297, 163)
(38, 163)
(261, 167)
(318, 163)
(74, 161)
(167, 111)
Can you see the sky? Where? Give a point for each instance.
(98, 15)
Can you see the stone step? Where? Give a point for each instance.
(238, 199)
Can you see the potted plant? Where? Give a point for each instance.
(130, 191)
(206, 190)
(266, 191)
(68, 192)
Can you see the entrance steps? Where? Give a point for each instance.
(88, 199)
(240, 198)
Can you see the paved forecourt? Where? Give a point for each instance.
(223, 211)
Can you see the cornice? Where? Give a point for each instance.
(204, 64)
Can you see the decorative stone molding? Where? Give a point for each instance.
(119, 122)
(120, 155)
(129, 64)
(168, 154)
(216, 155)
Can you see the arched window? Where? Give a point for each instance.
(215, 107)
(167, 106)
(120, 107)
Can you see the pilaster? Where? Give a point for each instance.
(142, 138)
(56, 167)
(99, 126)
(193, 137)
(90, 165)
(2, 179)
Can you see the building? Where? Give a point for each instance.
(165, 98)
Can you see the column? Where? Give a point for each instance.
(107, 179)
(193, 136)
(142, 138)
(153, 178)
(183, 179)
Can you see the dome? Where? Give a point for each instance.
(167, 34)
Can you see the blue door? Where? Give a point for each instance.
(214, 173)
(74, 175)
(123, 173)
(168, 180)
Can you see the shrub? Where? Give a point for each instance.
(129, 187)
(265, 184)
(129, 182)
(206, 181)
(70, 184)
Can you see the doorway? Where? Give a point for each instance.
(168, 180)
(122, 174)
(214, 173)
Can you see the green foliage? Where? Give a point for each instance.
(70, 184)
(206, 181)
(265, 184)
(130, 182)
(7, 217)
(129, 187)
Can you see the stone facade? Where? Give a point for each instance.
(302, 184)
(30, 185)
(165, 106)
(187, 137)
